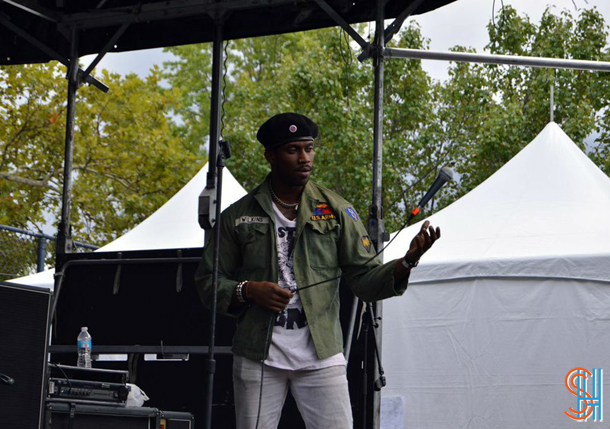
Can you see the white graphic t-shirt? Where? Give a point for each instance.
(291, 343)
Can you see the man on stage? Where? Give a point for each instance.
(283, 248)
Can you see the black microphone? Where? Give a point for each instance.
(444, 176)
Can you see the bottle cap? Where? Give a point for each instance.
(84, 328)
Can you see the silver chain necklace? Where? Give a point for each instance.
(294, 206)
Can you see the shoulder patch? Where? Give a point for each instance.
(322, 212)
(352, 213)
(366, 242)
(251, 219)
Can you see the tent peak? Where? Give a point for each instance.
(549, 202)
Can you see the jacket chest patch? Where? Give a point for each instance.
(322, 212)
(251, 219)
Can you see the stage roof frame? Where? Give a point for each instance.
(150, 24)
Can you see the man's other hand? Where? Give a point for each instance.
(269, 295)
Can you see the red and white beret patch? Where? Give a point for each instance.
(293, 128)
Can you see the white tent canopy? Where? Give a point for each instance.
(173, 226)
(514, 295)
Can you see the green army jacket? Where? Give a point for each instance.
(330, 241)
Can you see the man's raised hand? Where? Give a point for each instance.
(423, 241)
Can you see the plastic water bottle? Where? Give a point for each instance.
(83, 343)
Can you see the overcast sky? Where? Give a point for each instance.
(460, 23)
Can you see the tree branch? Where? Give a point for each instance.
(114, 177)
(44, 183)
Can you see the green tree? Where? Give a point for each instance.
(519, 107)
(127, 159)
(476, 120)
(314, 73)
(137, 145)
(485, 114)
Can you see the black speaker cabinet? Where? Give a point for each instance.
(23, 349)
(65, 415)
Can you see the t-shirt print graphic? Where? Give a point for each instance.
(293, 316)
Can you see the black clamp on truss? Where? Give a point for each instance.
(370, 50)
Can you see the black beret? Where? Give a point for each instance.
(285, 128)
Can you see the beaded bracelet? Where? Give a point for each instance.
(247, 291)
(239, 292)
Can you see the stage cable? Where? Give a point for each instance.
(267, 345)
(404, 225)
(224, 90)
(273, 315)
(403, 192)
(64, 374)
(347, 62)
(493, 12)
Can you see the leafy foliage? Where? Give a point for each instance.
(476, 120)
(127, 159)
(316, 74)
(137, 145)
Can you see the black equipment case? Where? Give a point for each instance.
(74, 415)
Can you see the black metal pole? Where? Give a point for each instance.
(214, 179)
(64, 238)
(376, 226)
(210, 365)
(215, 103)
(365, 372)
(42, 251)
(350, 330)
(375, 214)
(63, 244)
(380, 382)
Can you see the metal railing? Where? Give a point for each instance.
(23, 252)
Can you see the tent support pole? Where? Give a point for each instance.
(552, 101)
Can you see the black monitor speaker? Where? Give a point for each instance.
(23, 349)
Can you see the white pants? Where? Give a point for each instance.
(321, 395)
